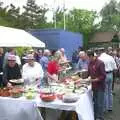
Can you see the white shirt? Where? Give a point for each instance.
(32, 73)
(109, 62)
(18, 61)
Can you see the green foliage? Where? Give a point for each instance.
(9, 15)
(81, 20)
(110, 16)
(21, 50)
(115, 39)
(32, 17)
(77, 20)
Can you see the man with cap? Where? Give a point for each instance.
(32, 71)
(11, 70)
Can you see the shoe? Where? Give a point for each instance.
(110, 110)
(113, 93)
(99, 119)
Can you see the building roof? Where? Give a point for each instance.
(100, 37)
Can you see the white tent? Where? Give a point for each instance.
(11, 37)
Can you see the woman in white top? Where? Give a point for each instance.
(32, 71)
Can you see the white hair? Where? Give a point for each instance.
(46, 51)
(82, 53)
(62, 50)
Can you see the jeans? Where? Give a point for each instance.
(98, 98)
(108, 92)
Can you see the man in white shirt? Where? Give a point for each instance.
(32, 71)
(110, 66)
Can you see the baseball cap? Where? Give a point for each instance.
(11, 57)
(30, 57)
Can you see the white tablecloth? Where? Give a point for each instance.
(83, 107)
(12, 109)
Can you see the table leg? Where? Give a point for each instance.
(43, 112)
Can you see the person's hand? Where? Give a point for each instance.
(9, 85)
(94, 80)
(77, 81)
(38, 78)
(88, 79)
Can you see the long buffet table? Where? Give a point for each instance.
(83, 107)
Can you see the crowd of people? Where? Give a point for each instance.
(41, 67)
(103, 66)
(33, 67)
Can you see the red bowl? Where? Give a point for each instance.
(47, 97)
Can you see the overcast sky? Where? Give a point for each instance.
(84, 4)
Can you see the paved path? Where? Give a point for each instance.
(115, 114)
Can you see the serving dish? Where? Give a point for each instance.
(16, 81)
(48, 97)
(70, 98)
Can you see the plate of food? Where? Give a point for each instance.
(75, 77)
(80, 91)
(16, 92)
(5, 92)
(17, 81)
(46, 90)
(30, 95)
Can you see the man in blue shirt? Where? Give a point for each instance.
(83, 61)
(45, 59)
(44, 63)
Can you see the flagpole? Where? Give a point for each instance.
(54, 15)
(64, 17)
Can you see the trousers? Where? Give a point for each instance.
(108, 101)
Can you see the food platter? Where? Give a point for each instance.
(16, 92)
(11, 92)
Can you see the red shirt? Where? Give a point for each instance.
(96, 69)
(53, 67)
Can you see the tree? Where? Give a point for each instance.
(110, 14)
(77, 20)
(9, 15)
(34, 15)
(81, 21)
(3, 14)
(13, 15)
